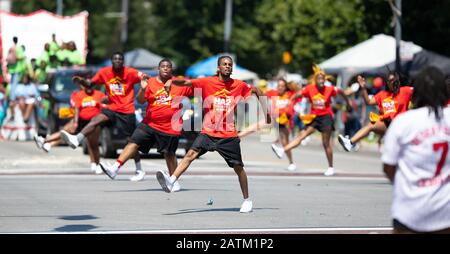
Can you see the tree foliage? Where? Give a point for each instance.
(311, 30)
(187, 31)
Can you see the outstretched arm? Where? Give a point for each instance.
(145, 77)
(141, 93)
(295, 96)
(345, 97)
(78, 80)
(182, 82)
(177, 82)
(362, 83)
(259, 94)
(82, 81)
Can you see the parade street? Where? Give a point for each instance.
(57, 192)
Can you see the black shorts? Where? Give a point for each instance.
(126, 123)
(283, 126)
(323, 123)
(387, 122)
(145, 137)
(228, 148)
(81, 124)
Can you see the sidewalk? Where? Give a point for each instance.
(25, 158)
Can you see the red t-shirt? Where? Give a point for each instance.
(119, 87)
(320, 101)
(391, 107)
(280, 104)
(89, 105)
(220, 100)
(162, 108)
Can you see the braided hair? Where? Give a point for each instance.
(430, 90)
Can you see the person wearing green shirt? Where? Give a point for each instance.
(45, 55)
(63, 53)
(41, 73)
(53, 45)
(54, 63)
(75, 56)
(16, 65)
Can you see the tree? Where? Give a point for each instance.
(311, 30)
(427, 24)
(187, 31)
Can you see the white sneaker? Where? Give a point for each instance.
(98, 170)
(95, 168)
(70, 139)
(291, 167)
(329, 172)
(346, 143)
(279, 151)
(39, 141)
(139, 176)
(164, 180)
(305, 141)
(176, 187)
(46, 147)
(246, 207)
(108, 171)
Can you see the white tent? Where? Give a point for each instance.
(376, 52)
(244, 74)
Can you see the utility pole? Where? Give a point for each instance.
(398, 33)
(227, 27)
(59, 7)
(124, 27)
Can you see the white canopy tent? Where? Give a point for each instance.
(244, 74)
(375, 52)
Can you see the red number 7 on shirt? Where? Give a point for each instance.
(444, 147)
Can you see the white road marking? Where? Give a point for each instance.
(228, 231)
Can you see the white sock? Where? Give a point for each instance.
(80, 137)
(247, 199)
(93, 166)
(331, 168)
(138, 166)
(173, 179)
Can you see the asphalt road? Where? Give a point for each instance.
(56, 192)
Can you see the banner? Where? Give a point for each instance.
(35, 29)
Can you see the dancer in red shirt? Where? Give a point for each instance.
(281, 112)
(119, 82)
(159, 126)
(221, 93)
(391, 102)
(320, 96)
(86, 104)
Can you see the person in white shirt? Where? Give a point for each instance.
(416, 159)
